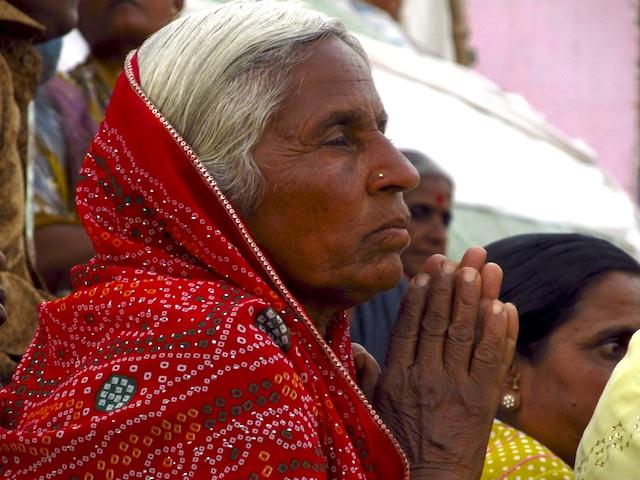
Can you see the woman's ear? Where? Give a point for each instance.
(510, 395)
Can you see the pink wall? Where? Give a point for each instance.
(575, 61)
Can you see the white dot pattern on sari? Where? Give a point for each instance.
(513, 455)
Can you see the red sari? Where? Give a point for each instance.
(180, 353)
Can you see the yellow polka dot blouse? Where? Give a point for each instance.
(513, 455)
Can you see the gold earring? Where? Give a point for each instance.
(512, 401)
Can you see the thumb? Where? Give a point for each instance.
(367, 370)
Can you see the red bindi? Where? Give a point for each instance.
(440, 199)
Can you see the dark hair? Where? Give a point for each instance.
(545, 275)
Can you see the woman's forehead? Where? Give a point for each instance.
(333, 81)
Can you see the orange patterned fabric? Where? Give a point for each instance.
(180, 353)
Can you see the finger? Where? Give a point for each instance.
(492, 276)
(436, 319)
(485, 304)
(475, 257)
(461, 333)
(488, 356)
(404, 335)
(433, 264)
(514, 322)
(512, 336)
(357, 348)
(367, 371)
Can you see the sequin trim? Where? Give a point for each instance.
(618, 440)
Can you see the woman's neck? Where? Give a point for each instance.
(109, 69)
(321, 318)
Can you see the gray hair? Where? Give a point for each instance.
(219, 75)
(425, 166)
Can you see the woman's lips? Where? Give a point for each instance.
(115, 3)
(393, 233)
(394, 237)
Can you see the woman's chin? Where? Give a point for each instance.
(384, 276)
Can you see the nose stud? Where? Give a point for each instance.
(380, 175)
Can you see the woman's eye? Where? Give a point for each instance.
(340, 141)
(614, 349)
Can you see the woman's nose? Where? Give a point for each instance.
(392, 172)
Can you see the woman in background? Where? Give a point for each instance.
(579, 303)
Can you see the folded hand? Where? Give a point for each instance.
(450, 348)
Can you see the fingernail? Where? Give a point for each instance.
(468, 275)
(497, 307)
(422, 279)
(448, 267)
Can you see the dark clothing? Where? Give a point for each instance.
(372, 322)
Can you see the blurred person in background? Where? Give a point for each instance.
(392, 7)
(113, 28)
(430, 207)
(579, 303)
(69, 108)
(434, 27)
(23, 23)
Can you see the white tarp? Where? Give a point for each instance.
(514, 172)
(502, 154)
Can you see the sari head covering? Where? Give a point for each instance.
(180, 353)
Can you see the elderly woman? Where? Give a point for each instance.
(240, 195)
(576, 318)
